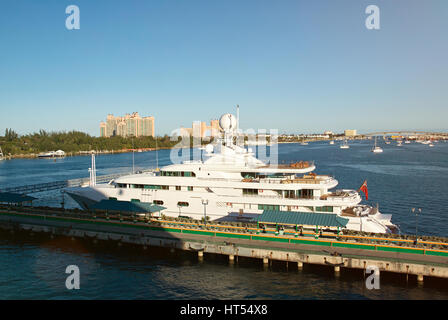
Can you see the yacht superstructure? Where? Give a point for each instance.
(232, 184)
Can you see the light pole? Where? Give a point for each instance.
(205, 203)
(416, 222)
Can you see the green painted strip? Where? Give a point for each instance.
(205, 233)
(353, 246)
(226, 235)
(316, 243)
(270, 239)
(414, 251)
(436, 253)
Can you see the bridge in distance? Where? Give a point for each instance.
(406, 133)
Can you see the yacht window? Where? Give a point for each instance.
(268, 207)
(159, 202)
(250, 191)
(325, 209)
(155, 187)
(305, 193)
(182, 204)
(178, 188)
(189, 188)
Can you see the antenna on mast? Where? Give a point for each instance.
(157, 156)
(237, 118)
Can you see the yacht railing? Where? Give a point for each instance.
(291, 165)
(347, 198)
(311, 180)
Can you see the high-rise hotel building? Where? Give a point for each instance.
(131, 125)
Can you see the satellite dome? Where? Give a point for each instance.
(227, 121)
(209, 148)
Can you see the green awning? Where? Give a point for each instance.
(301, 218)
(9, 197)
(127, 206)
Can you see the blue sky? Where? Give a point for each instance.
(298, 66)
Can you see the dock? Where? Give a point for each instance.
(427, 258)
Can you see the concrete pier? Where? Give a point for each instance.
(203, 241)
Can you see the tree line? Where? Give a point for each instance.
(75, 141)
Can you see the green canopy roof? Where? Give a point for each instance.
(127, 206)
(15, 197)
(301, 218)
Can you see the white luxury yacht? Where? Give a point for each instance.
(232, 184)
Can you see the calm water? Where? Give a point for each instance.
(413, 175)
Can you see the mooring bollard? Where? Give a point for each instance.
(420, 278)
(337, 269)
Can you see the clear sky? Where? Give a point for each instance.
(298, 66)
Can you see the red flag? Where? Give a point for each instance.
(363, 188)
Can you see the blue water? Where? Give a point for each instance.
(400, 178)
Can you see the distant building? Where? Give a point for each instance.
(131, 125)
(350, 133)
(328, 133)
(201, 129)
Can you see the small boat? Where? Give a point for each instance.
(399, 143)
(344, 145)
(431, 145)
(2, 157)
(331, 142)
(304, 143)
(51, 154)
(376, 149)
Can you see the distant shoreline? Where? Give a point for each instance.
(86, 153)
(82, 153)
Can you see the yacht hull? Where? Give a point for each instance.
(218, 208)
